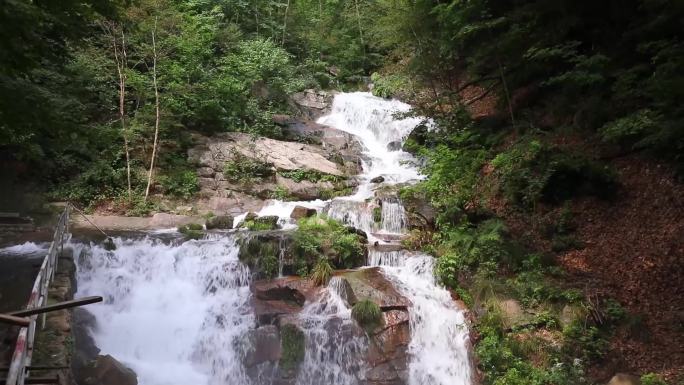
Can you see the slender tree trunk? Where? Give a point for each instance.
(287, 9)
(256, 16)
(505, 87)
(121, 65)
(156, 107)
(320, 29)
(358, 21)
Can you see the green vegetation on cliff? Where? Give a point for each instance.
(320, 237)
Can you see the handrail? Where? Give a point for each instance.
(23, 351)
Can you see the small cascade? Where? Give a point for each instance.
(439, 335)
(281, 256)
(176, 314)
(393, 217)
(333, 345)
(352, 213)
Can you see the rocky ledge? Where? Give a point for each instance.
(238, 172)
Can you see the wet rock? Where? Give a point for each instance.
(265, 343)
(280, 300)
(419, 136)
(220, 222)
(108, 371)
(280, 293)
(372, 284)
(624, 379)
(345, 291)
(300, 212)
(394, 146)
(378, 179)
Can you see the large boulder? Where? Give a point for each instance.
(214, 152)
(312, 104)
(300, 212)
(624, 379)
(220, 222)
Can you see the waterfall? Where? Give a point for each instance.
(333, 348)
(182, 312)
(439, 335)
(174, 313)
(393, 217)
(373, 121)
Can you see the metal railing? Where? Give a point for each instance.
(23, 351)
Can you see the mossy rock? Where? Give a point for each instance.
(292, 347)
(260, 255)
(220, 222)
(192, 231)
(368, 314)
(265, 223)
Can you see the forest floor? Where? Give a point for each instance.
(632, 251)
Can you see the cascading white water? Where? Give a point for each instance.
(393, 217)
(373, 121)
(332, 350)
(174, 313)
(439, 335)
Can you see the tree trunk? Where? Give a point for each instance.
(121, 65)
(287, 9)
(156, 107)
(358, 21)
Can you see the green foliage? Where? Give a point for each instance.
(292, 347)
(652, 379)
(182, 184)
(530, 172)
(377, 214)
(368, 314)
(261, 223)
(319, 237)
(314, 176)
(388, 86)
(246, 170)
(281, 193)
(321, 272)
(468, 247)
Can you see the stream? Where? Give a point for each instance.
(181, 312)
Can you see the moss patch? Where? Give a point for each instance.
(368, 314)
(292, 347)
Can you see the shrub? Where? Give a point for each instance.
(183, 184)
(246, 170)
(314, 176)
(321, 272)
(530, 172)
(320, 237)
(292, 347)
(388, 86)
(368, 314)
(652, 379)
(377, 214)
